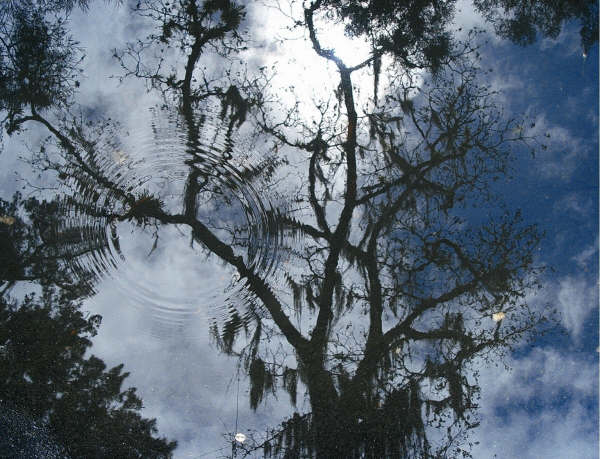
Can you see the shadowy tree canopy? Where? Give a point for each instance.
(45, 373)
(522, 21)
(38, 60)
(34, 249)
(416, 31)
(397, 287)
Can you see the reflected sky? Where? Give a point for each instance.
(201, 225)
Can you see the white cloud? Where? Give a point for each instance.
(551, 434)
(467, 18)
(563, 154)
(585, 257)
(582, 206)
(573, 296)
(547, 398)
(576, 299)
(185, 383)
(567, 43)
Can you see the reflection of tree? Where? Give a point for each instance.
(521, 21)
(45, 378)
(33, 250)
(38, 59)
(399, 278)
(43, 342)
(44, 371)
(402, 288)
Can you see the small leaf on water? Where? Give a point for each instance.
(7, 220)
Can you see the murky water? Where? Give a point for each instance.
(219, 238)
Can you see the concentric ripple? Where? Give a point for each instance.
(128, 203)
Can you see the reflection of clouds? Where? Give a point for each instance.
(552, 434)
(292, 58)
(183, 381)
(565, 152)
(187, 385)
(466, 17)
(568, 42)
(579, 204)
(539, 406)
(577, 298)
(173, 284)
(120, 157)
(543, 386)
(574, 295)
(160, 267)
(586, 257)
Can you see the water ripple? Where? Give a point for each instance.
(190, 168)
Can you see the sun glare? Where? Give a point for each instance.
(301, 78)
(352, 51)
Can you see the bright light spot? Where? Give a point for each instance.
(584, 55)
(350, 50)
(7, 220)
(498, 316)
(240, 437)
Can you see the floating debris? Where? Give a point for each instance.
(240, 437)
(7, 220)
(518, 130)
(498, 316)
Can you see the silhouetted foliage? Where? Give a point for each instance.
(44, 371)
(521, 21)
(392, 295)
(413, 31)
(416, 31)
(34, 249)
(186, 28)
(38, 61)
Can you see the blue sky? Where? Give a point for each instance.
(545, 406)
